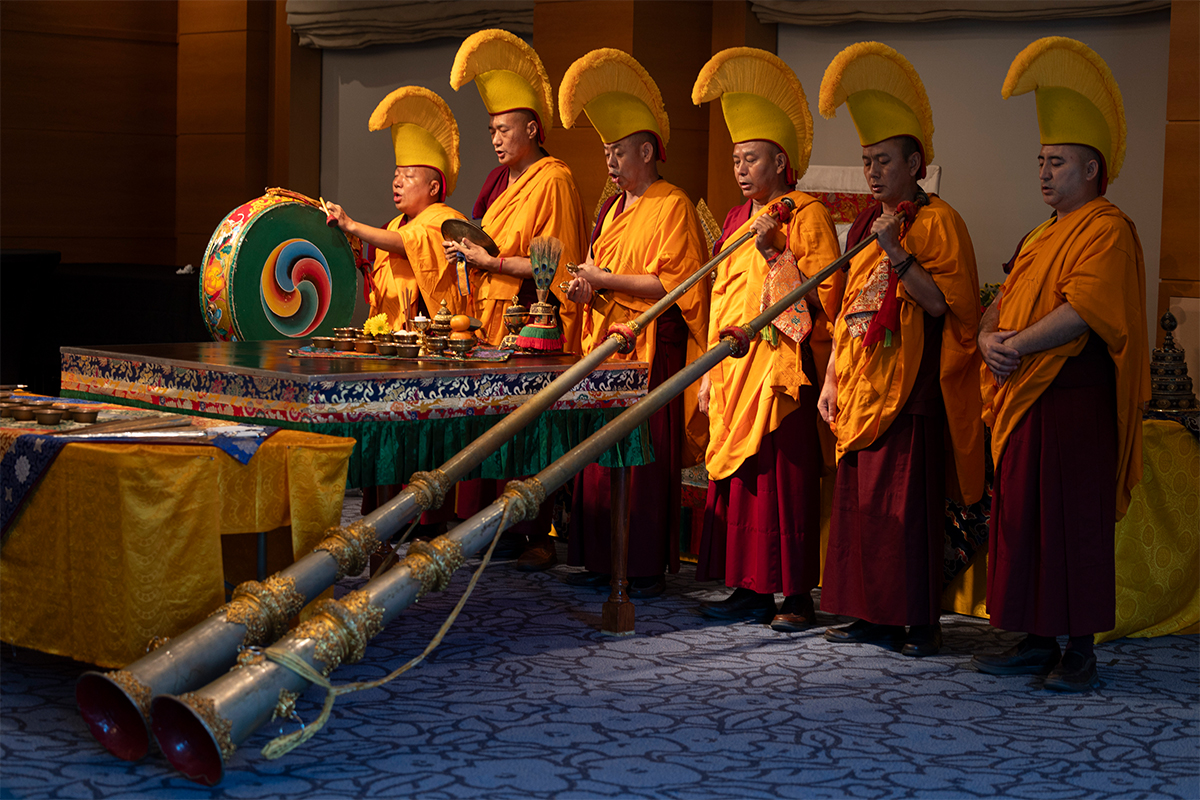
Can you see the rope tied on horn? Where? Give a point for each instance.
(350, 546)
(264, 608)
(521, 501)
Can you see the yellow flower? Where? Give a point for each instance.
(377, 324)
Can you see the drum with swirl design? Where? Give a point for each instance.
(273, 269)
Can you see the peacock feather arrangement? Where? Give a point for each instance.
(543, 333)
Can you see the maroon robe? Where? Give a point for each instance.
(762, 525)
(884, 559)
(1051, 545)
(654, 489)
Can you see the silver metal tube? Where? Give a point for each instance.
(115, 705)
(197, 732)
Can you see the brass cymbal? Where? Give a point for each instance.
(457, 230)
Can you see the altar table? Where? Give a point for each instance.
(405, 415)
(122, 542)
(1158, 545)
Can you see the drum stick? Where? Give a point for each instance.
(330, 219)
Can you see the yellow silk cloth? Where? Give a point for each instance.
(875, 382)
(422, 268)
(659, 235)
(542, 202)
(122, 542)
(1091, 259)
(749, 397)
(1157, 543)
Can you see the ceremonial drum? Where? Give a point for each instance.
(273, 269)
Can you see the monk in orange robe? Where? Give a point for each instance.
(530, 194)
(1065, 376)
(900, 383)
(762, 520)
(409, 266)
(647, 241)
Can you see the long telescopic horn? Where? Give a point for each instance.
(199, 730)
(116, 705)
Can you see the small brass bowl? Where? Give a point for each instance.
(85, 414)
(364, 346)
(461, 347)
(5, 395)
(6, 409)
(347, 333)
(435, 344)
(322, 343)
(48, 416)
(343, 344)
(405, 337)
(385, 337)
(385, 348)
(38, 403)
(23, 413)
(408, 350)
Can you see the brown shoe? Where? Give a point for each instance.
(539, 556)
(796, 614)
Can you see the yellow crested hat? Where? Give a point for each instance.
(884, 93)
(424, 133)
(1078, 101)
(618, 96)
(762, 100)
(508, 74)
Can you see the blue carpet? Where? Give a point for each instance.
(526, 699)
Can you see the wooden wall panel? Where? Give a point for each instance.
(1183, 69)
(95, 19)
(1179, 254)
(87, 116)
(294, 107)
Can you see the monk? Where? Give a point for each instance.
(530, 194)
(762, 517)
(1066, 372)
(409, 265)
(647, 240)
(897, 383)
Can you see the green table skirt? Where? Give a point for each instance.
(388, 453)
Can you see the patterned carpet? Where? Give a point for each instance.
(526, 699)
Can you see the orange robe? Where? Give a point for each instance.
(750, 396)
(542, 202)
(875, 382)
(1092, 259)
(422, 268)
(658, 235)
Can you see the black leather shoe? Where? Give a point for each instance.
(540, 556)
(1075, 673)
(743, 604)
(797, 613)
(1023, 659)
(589, 579)
(865, 632)
(923, 640)
(642, 588)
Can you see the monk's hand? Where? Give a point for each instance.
(827, 402)
(1001, 358)
(702, 397)
(579, 290)
(339, 214)
(766, 235)
(888, 229)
